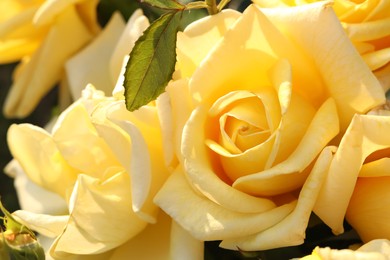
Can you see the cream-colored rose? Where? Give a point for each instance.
(257, 98)
(357, 180)
(106, 163)
(43, 34)
(367, 24)
(374, 250)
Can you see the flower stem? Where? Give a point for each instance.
(212, 6)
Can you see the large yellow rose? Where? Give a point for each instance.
(43, 35)
(367, 24)
(257, 98)
(106, 163)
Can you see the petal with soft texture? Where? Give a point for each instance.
(291, 230)
(47, 225)
(246, 55)
(204, 174)
(33, 197)
(367, 211)
(101, 217)
(146, 165)
(40, 158)
(152, 243)
(44, 69)
(135, 26)
(365, 135)
(205, 219)
(196, 41)
(78, 68)
(331, 50)
(79, 143)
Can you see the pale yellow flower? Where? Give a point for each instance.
(357, 180)
(106, 163)
(43, 34)
(256, 100)
(374, 250)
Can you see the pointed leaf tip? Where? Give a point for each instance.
(152, 61)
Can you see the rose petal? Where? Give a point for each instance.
(40, 158)
(155, 235)
(135, 26)
(194, 44)
(365, 135)
(323, 128)
(331, 50)
(45, 67)
(46, 225)
(33, 197)
(101, 217)
(199, 169)
(366, 211)
(208, 220)
(291, 230)
(75, 135)
(98, 53)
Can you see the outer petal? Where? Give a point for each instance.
(32, 197)
(135, 26)
(152, 243)
(367, 211)
(100, 215)
(79, 143)
(291, 230)
(331, 51)
(206, 220)
(45, 67)
(40, 158)
(194, 44)
(146, 165)
(365, 135)
(255, 45)
(46, 225)
(78, 68)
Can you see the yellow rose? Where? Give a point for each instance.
(375, 250)
(44, 34)
(358, 179)
(367, 24)
(106, 163)
(257, 98)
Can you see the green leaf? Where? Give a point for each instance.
(152, 61)
(164, 4)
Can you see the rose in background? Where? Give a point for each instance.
(100, 63)
(42, 35)
(256, 101)
(367, 24)
(375, 250)
(106, 164)
(358, 179)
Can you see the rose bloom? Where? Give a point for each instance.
(367, 24)
(358, 178)
(105, 163)
(256, 100)
(375, 250)
(42, 35)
